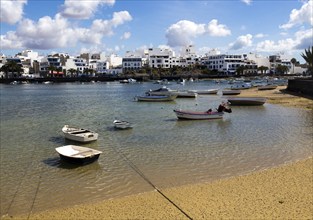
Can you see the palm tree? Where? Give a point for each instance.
(308, 57)
(72, 71)
(51, 68)
(263, 69)
(293, 61)
(282, 69)
(13, 67)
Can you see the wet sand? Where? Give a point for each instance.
(284, 192)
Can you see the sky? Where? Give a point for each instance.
(265, 27)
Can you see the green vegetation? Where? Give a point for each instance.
(308, 57)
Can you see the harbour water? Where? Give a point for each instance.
(161, 149)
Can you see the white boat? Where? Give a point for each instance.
(200, 115)
(156, 98)
(231, 92)
(119, 124)
(161, 91)
(79, 134)
(131, 80)
(205, 91)
(246, 100)
(267, 87)
(78, 155)
(241, 86)
(185, 94)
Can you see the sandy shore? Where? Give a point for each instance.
(280, 96)
(284, 192)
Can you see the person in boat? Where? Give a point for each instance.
(224, 108)
(209, 111)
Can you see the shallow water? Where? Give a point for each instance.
(161, 149)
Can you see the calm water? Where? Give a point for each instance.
(166, 151)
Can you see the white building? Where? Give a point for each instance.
(160, 58)
(226, 64)
(132, 63)
(78, 64)
(259, 60)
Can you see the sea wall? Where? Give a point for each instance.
(303, 86)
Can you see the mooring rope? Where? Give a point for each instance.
(33, 203)
(19, 185)
(138, 171)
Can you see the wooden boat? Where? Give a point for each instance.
(231, 92)
(197, 115)
(78, 155)
(79, 134)
(246, 100)
(119, 124)
(156, 98)
(204, 92)
(267, 87)
(194, 115)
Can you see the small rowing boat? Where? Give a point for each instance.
(78, 155)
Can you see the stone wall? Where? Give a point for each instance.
(303, 86)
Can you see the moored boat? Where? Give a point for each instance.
(119, 124)
(202, 115)
(205, 91)
(79, 134)
(161, 91)
(156, 98)
(78, 155)
(246, 100)
(231, 92)
(267, 87)
(185, 94)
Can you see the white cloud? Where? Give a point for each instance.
(301, 16)
(241, 42)
(217, 30)
(260, 35)
(248, 2)
(82, 9)
(11, 11)
(10, 40)
(105, 26)
(126, 35)
(183, 32)
(302, 40)
(58, 32)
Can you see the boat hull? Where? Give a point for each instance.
(152, 98)
(205, 92)
(231, 92)
(80, 161)
(122, 124)
(191, 115)
(246, 101)
(268, 87)
(79, 134)
(78, 155)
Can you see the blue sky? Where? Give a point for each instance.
(116, 26)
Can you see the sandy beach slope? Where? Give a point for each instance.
(284, 192)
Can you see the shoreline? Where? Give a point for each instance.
(280, 96)
(284, 192)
